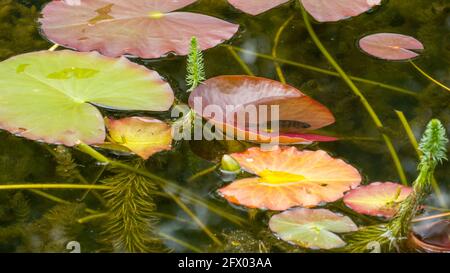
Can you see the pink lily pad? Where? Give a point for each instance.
(223, 101)
(377, 199)
(336, 10)
(143, 28)
(391, 46)
(143, 136)
(255, 7)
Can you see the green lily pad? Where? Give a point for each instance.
(50, 96)
(311, 228)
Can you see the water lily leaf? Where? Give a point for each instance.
(311, 228)
(391, 46)
(232, 95)
(143, 136)
(377, 199)
(143, 28)
(432, 237)
(288, 177)
(49, 96)
(255, 7)
(336, 10)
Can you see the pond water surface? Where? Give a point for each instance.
(29, 222)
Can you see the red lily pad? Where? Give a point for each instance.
(288, 177)
(311, 228)
(255, 7)
(377, 199)
(224, 100)
(336, 10)
(432, 237)
(391, 46)
(143, 28)
(142, 135)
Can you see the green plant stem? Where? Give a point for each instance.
(98, 196)
(54, 47)
(426, 75)
(164, 183)
(324, 71)
(81, 178)
(415, 144)
(58, 200)
(276, 42)
(244, 66)
(202, 173)
(52, 186)
(180, 242)
(89, 218)
(358, 93)
(431, 217)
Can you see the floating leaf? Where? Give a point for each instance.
(255, 7)
(49, 96)
(432, 237)
(231, 95)
(311, 228)
(336, 10)
(288, 178)
(143, 136)
(391, 46)
(377, 199)
(144, 28)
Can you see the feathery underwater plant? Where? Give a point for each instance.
(392, 235)
(130, 221)
(195, 66)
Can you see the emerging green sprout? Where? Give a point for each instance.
(195, 66)
(390, 236)
(229, 164)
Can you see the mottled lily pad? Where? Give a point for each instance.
(377, 199)
(311, 228)
(391, 46)
(50, 96)
(255, 7)
(232, 95)
(288, 177)
(143, 28)
(142, 135)
(336, 10)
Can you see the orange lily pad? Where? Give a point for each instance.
(141, 135)
(377, 199)
(288, 177)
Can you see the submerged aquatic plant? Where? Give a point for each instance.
(392, 235)
(195, 66)
(130, 221)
